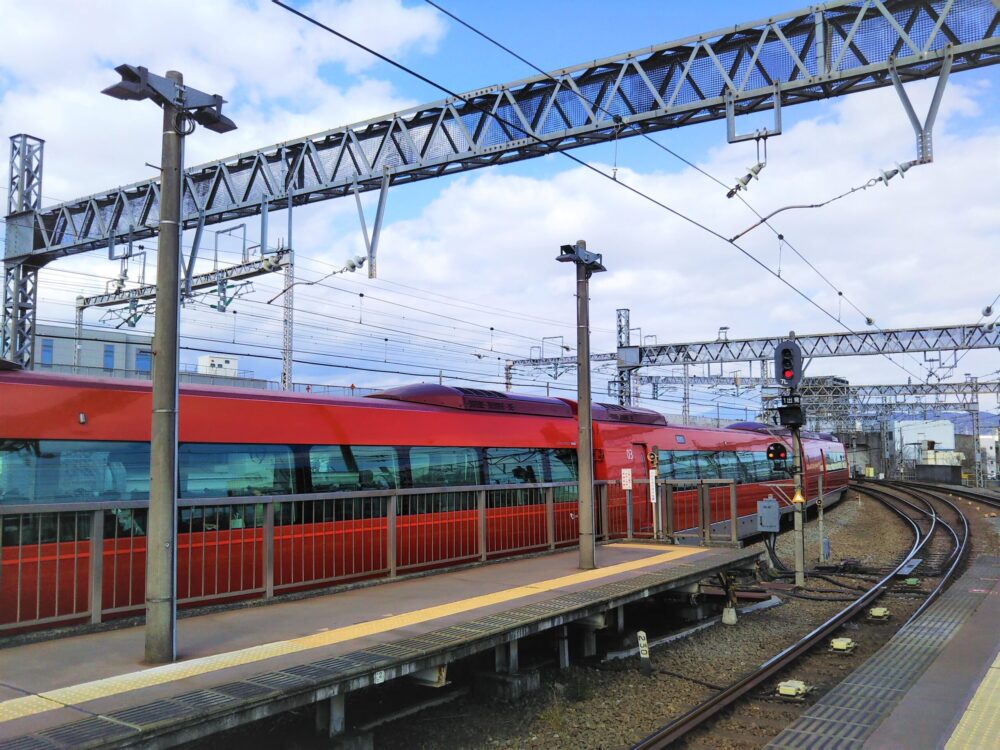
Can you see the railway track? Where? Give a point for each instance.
(940, 540)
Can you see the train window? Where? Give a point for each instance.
(343, 468)
(331, 469)
(729, 467)
(835, 460)
(708, 465)
(378, 467)
(666, 467)
(514, 466)
(224, 470)
(62, 471)
(562, 465)
(443, 467)
(748, 465)
(685, 465)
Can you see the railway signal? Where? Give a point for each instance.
(777, 452)
(788, 363)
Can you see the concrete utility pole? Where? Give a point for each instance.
(587, 263)
(161, 551)
(182, 108)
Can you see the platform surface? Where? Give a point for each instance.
(956, 702)
(92, 689)
(935, 684)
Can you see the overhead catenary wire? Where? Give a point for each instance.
(762, 219)
(431, 372)
(582, 163)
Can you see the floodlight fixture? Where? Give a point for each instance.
(138, 83)
(578, 253)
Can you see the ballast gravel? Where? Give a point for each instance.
(615, 706)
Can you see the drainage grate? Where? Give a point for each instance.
(243, 690)
(204, 699)
(26, 743)
(152, 713)
(338, 665)
(88, 730)
(284, 680)
(368, 658)
(397, 650)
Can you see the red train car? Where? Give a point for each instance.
(279, 492)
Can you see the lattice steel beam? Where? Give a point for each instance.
(24, 186)
(248, 270)
(886, 341)
(806, 55)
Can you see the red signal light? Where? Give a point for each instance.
(788, 374)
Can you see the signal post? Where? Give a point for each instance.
(788, 370)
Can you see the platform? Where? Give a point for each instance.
(242, 665)
(935, 684)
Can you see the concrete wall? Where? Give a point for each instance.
(934, 473)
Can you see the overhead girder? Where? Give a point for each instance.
(806, 55)
(845, 344)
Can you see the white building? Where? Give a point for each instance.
(988, 447)
(218, 364)
(915, 437)
(112, 353)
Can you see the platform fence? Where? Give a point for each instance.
(72, 563)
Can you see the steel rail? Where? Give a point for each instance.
(970, 493)
(956, 558)
(698, 715)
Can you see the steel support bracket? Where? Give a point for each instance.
(760, 133)
(371, 243)
(925, 148)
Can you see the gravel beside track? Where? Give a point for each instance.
(612, 707)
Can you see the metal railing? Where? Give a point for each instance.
(66, 563)
(702, 510)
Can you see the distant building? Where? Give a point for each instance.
(989, 446)
(102, 351)
(218, 364)
(112, 353)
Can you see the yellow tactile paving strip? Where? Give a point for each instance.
(980, 724)
(18, 708)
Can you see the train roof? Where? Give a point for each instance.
(422, 395)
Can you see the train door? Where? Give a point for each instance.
(642, 513)
(822, 470)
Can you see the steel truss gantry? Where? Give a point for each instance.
(843, 344)
(806, 55)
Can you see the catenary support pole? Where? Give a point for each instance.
(161, 605)
(585, 453)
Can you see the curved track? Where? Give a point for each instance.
(940, 532)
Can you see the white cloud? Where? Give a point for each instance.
(56, 57)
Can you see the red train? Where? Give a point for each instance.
(279, 492)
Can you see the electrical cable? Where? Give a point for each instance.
(581, 163)
(763, 220)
